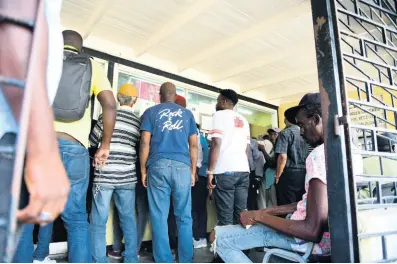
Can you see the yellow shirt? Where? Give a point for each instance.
(80, 129)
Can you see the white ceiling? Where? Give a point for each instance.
(261, 48)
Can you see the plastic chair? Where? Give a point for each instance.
(290, 255)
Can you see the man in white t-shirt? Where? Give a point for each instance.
(229, 154)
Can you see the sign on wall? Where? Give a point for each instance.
(360, 117)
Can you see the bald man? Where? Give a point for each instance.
(168, 153)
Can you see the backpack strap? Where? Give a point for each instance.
(71, 50)
(92, 106)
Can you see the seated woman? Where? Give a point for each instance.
(309, 216)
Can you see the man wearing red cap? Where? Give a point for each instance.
(181, 101)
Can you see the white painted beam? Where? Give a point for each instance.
(292, 98)
(271, 94)
(279, 78)
(300, 48)
(96, 16)
(175, 24)
(267, 26)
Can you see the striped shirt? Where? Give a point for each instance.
(120, 167)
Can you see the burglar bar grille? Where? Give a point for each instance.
(368, 43)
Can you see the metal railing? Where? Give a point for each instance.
(356, 44)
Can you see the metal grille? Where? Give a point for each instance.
(368, 50)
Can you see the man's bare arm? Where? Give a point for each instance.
(109, 111)
(213, 159)
(281, 162)
(15, 47)
(48, 186)
(144, 154)
(214, 152)
(310, 229)
(193, 156)
(281, 210)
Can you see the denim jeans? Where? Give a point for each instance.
(142, 214)
(166, 179)
(77, 165)
(25, 248)
(172, 229)
(232, 240)
(6, 174)
(231, 194)
(199, 208)
(124, 199)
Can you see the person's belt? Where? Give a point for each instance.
(294, 169)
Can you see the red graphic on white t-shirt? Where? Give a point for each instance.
(238, 122)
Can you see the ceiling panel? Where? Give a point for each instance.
(213, 25)
(249, 54)
(260, 9)
(75, 13)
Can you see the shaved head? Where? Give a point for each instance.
(167, 92)
(73, 38)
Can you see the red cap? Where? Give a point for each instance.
(181, 101)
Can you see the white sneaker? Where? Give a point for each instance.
(46, 260)
(202, 243)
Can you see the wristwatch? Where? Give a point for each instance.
(210, 172)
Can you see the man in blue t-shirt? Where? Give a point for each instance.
(168, 155)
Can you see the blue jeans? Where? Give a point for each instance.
(77, 165)
(231, 194)
(124, 199)
(233, 239)
(142, 214)
(166, 179)
(24, 252)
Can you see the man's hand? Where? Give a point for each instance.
(196, 174)
(277, 178)
(144, 177)
(194, 177)
(210, 178)
(247, 218)
(48, 186)
(101, 156)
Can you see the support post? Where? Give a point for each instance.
(341, 203)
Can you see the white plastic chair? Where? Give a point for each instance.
(290, 255)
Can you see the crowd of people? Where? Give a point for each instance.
(160, 166)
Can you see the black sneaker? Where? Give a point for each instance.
(116, 255)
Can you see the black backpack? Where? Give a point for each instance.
(73, 95)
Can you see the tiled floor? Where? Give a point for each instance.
(200, 256)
